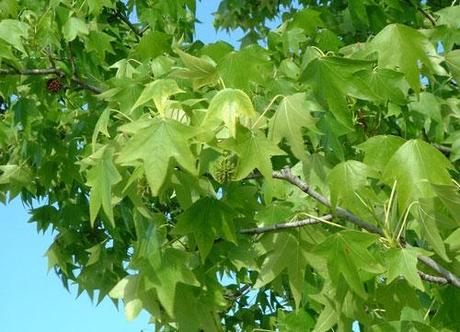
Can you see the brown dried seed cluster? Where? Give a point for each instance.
(54, 85)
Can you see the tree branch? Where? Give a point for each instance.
(86, 86)
(433, 279)
(449, 276)
(287, 175)
(287, 225)
(48, 71)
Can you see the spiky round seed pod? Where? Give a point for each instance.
(54, 85)
(224, 168)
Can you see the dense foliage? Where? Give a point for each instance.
(301, 182)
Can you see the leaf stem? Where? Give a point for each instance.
(265, 110)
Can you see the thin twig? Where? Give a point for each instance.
(287, 175)
(126, 20)
(444, 149)
(427, 15)
(287, 225)
(144, 29)
(423, 12)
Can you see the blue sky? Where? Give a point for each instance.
(31, 299)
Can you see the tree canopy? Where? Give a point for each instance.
(303, 181)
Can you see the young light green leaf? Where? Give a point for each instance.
(127, 289)
(74, 27)
(13, 31)
(201, 71)
(449, 16)
(159, 91)
(228, 106)
(101, 127)
(155, 144)
(102, 176)
(293, 114)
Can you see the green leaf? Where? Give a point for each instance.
(155, 144)
(195, 312)
(287, 250)
(201, 71)
(101, 127)
(12, 31)
(307, 19)
(453, 63)
(240, 69)
(427, 216)
(207, 219)
(450, 197)
(127, 289)
(403, 263)
(95, 6)
(346, 180)
(151, 45)
(295, 321)
(386, 84)
(428, 105)
(274, 213)
(293, 114)
(100, 43)
(400, 46)
(449, 16)
(346, 254)
(255, 152)
(333, 78)
(173, 268)
(228, 106)
(102, 176)
(413, 163)
(159, 91)
(74, 27)
(453, 241)
(378, 150)
(292, 38)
